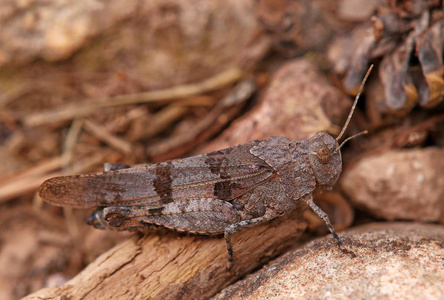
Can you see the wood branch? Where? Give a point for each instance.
(166, 265)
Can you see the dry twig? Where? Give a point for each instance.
(80, 109)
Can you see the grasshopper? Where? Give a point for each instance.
(221, 192)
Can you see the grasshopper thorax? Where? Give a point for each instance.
(325, 159)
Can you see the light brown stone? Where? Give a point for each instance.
(399, 184)
(393, 261)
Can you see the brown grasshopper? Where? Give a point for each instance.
(221, 192)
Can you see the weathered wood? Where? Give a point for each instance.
(167, 265)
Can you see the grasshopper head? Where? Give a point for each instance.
(325, 158)
(324, 150)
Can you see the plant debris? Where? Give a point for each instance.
(406, 40)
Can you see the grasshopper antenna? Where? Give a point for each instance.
(353, 109)
(349, 138)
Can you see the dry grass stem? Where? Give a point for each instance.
(29, 180)
(102, 134)
(86, 107)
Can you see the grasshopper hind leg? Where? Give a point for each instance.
(234, 228)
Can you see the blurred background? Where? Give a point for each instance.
(88, 82)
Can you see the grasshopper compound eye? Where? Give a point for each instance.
(323, 154)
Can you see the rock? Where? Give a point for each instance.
(393, 261)
(399, 184)
(155, 44)
(298, 102)
(295, 27)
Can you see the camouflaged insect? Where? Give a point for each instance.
(221, 192)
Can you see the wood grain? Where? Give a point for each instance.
(167, 265)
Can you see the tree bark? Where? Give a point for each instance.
(171, 266)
